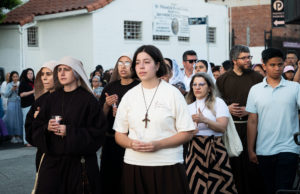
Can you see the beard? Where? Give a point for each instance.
(245, 69)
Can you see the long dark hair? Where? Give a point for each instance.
(11, 75)
(24, 78)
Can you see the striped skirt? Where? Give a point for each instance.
(207, 166)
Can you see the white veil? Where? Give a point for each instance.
(177, 73)
(209, 70)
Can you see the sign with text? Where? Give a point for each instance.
(170, 20)
(197, 21)
(277, 13)
(291, 44)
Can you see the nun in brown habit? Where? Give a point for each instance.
(71, 140)
(44, 85)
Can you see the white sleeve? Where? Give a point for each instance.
(121, 121)
(221, 108)
(298, 95)
(183, 118)
(3, 85)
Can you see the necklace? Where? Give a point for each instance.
(146, 120)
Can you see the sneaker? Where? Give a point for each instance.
(19, 140)
(14, 140)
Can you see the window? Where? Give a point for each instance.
(211, 35)
(183, 39)
(161, 38)
(32, 37)
(132, 30)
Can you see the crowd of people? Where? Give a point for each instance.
(160, 127)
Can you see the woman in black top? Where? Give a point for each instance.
(71, 128)
(26, 92)
(112, 154)
(44, 85)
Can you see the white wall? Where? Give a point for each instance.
(10, 49)
(237, 3)
(256, 53)
(97, 38)
(69, 36)
(109, 43)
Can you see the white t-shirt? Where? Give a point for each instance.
(187, 81)
(168, 115)
(221, 110)
(4, 99)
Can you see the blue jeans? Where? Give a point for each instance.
(278, 170)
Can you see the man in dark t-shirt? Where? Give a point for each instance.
(234, 87)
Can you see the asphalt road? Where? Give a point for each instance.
(17, 169)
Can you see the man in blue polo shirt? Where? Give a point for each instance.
(273, 119)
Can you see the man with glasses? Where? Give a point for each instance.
(291, 58)
(189, 58)
(234, 86)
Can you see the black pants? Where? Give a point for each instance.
(278, 170)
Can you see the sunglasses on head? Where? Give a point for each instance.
(192, 60)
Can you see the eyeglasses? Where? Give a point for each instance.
(201, 84)
(191, 61)
(245, 58)
(126, 63)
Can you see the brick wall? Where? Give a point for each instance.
(258, 18)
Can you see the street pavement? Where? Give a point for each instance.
(17, 168)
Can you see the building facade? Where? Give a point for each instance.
(97, 32)
(251, 25)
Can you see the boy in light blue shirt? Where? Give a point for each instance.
(273, 119)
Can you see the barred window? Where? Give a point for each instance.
(32, 37)
(211, 35)
(161, 38)
(132, 30)
(183, 39)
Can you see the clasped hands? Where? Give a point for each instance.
(140, 146)
(236, 110)
(56, 128)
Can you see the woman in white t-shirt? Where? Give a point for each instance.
(3, 87)
(152, 123)
(207, 162)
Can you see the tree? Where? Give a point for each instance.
(7, 4)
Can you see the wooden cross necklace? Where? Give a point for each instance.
(146, 120)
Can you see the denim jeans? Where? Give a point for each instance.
(278, 170)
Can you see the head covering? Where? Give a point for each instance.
(208, 71)
(77, 67)
(178, 75)
(97, 77)
(288, 68)
(38, 84)
(115, 74)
